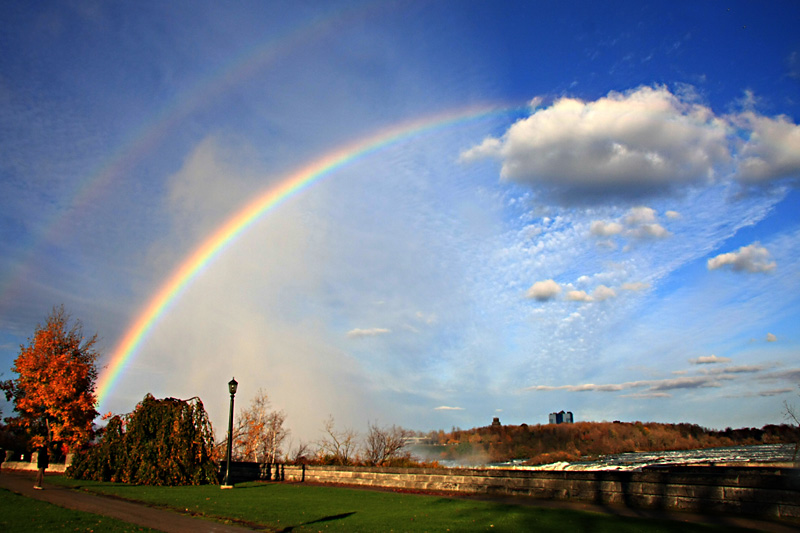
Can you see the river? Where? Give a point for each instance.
(768, 453)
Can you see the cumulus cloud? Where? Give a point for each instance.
(603, 293)
(578, 296)
(358, 333)
(640, 215)
(601, 228)
(650, 231)
(772, 150)
(624, 144)
(672, 215)
(771, 337)
(544, 290)
(640, 223)
(643, 224)
(639, 143)
(709, 359)
(751, 258)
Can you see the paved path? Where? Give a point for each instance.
(134, 513)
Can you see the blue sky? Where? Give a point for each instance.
(619, 239)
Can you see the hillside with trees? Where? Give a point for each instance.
(541, 444)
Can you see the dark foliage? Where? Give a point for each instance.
(163, 442)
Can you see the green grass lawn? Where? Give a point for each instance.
(298, 507)
(21, 514)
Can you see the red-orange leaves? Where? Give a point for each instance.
(54, 395)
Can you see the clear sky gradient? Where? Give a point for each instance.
(619, 236)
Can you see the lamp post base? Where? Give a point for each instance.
(226, 486)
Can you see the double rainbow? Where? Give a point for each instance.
(296, 182)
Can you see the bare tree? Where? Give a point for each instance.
(339, 446)
(298, 454)
(384, 444)
(259, 433)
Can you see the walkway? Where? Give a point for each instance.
(134, 513)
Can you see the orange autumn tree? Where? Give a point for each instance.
(54, 393)
(259, 434)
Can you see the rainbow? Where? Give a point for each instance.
(240, 221)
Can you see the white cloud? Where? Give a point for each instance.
(750, 258)
(649, 231)
(771, 337)
(640, 142)
(603, 293)
(643, 222)
(358, 333)
(448, 408)
(672, 215)
(544, 290)
(624, 144)
(772, 150)
(640, 215)
(601, 228)
(647, 395)
(709, 359)
(579, 296)
(639, 223)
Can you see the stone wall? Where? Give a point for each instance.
(58, 468)
(755, 491)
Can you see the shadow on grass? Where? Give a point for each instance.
(318, 521)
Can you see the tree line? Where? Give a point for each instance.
(260, 435)
(547, 443)
(171, 441)
(162, 441)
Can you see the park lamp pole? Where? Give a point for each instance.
(232, 385)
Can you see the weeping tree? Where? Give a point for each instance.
(162, 442)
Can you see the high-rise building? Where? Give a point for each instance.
(561, 417)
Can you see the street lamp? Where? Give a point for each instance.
(232, 385)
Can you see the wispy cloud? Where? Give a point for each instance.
(652, 385)
(358, 333)
(709, 359)
(775, 392)
(448, 408)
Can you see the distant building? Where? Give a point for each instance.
(496, 422)
(561, 417)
